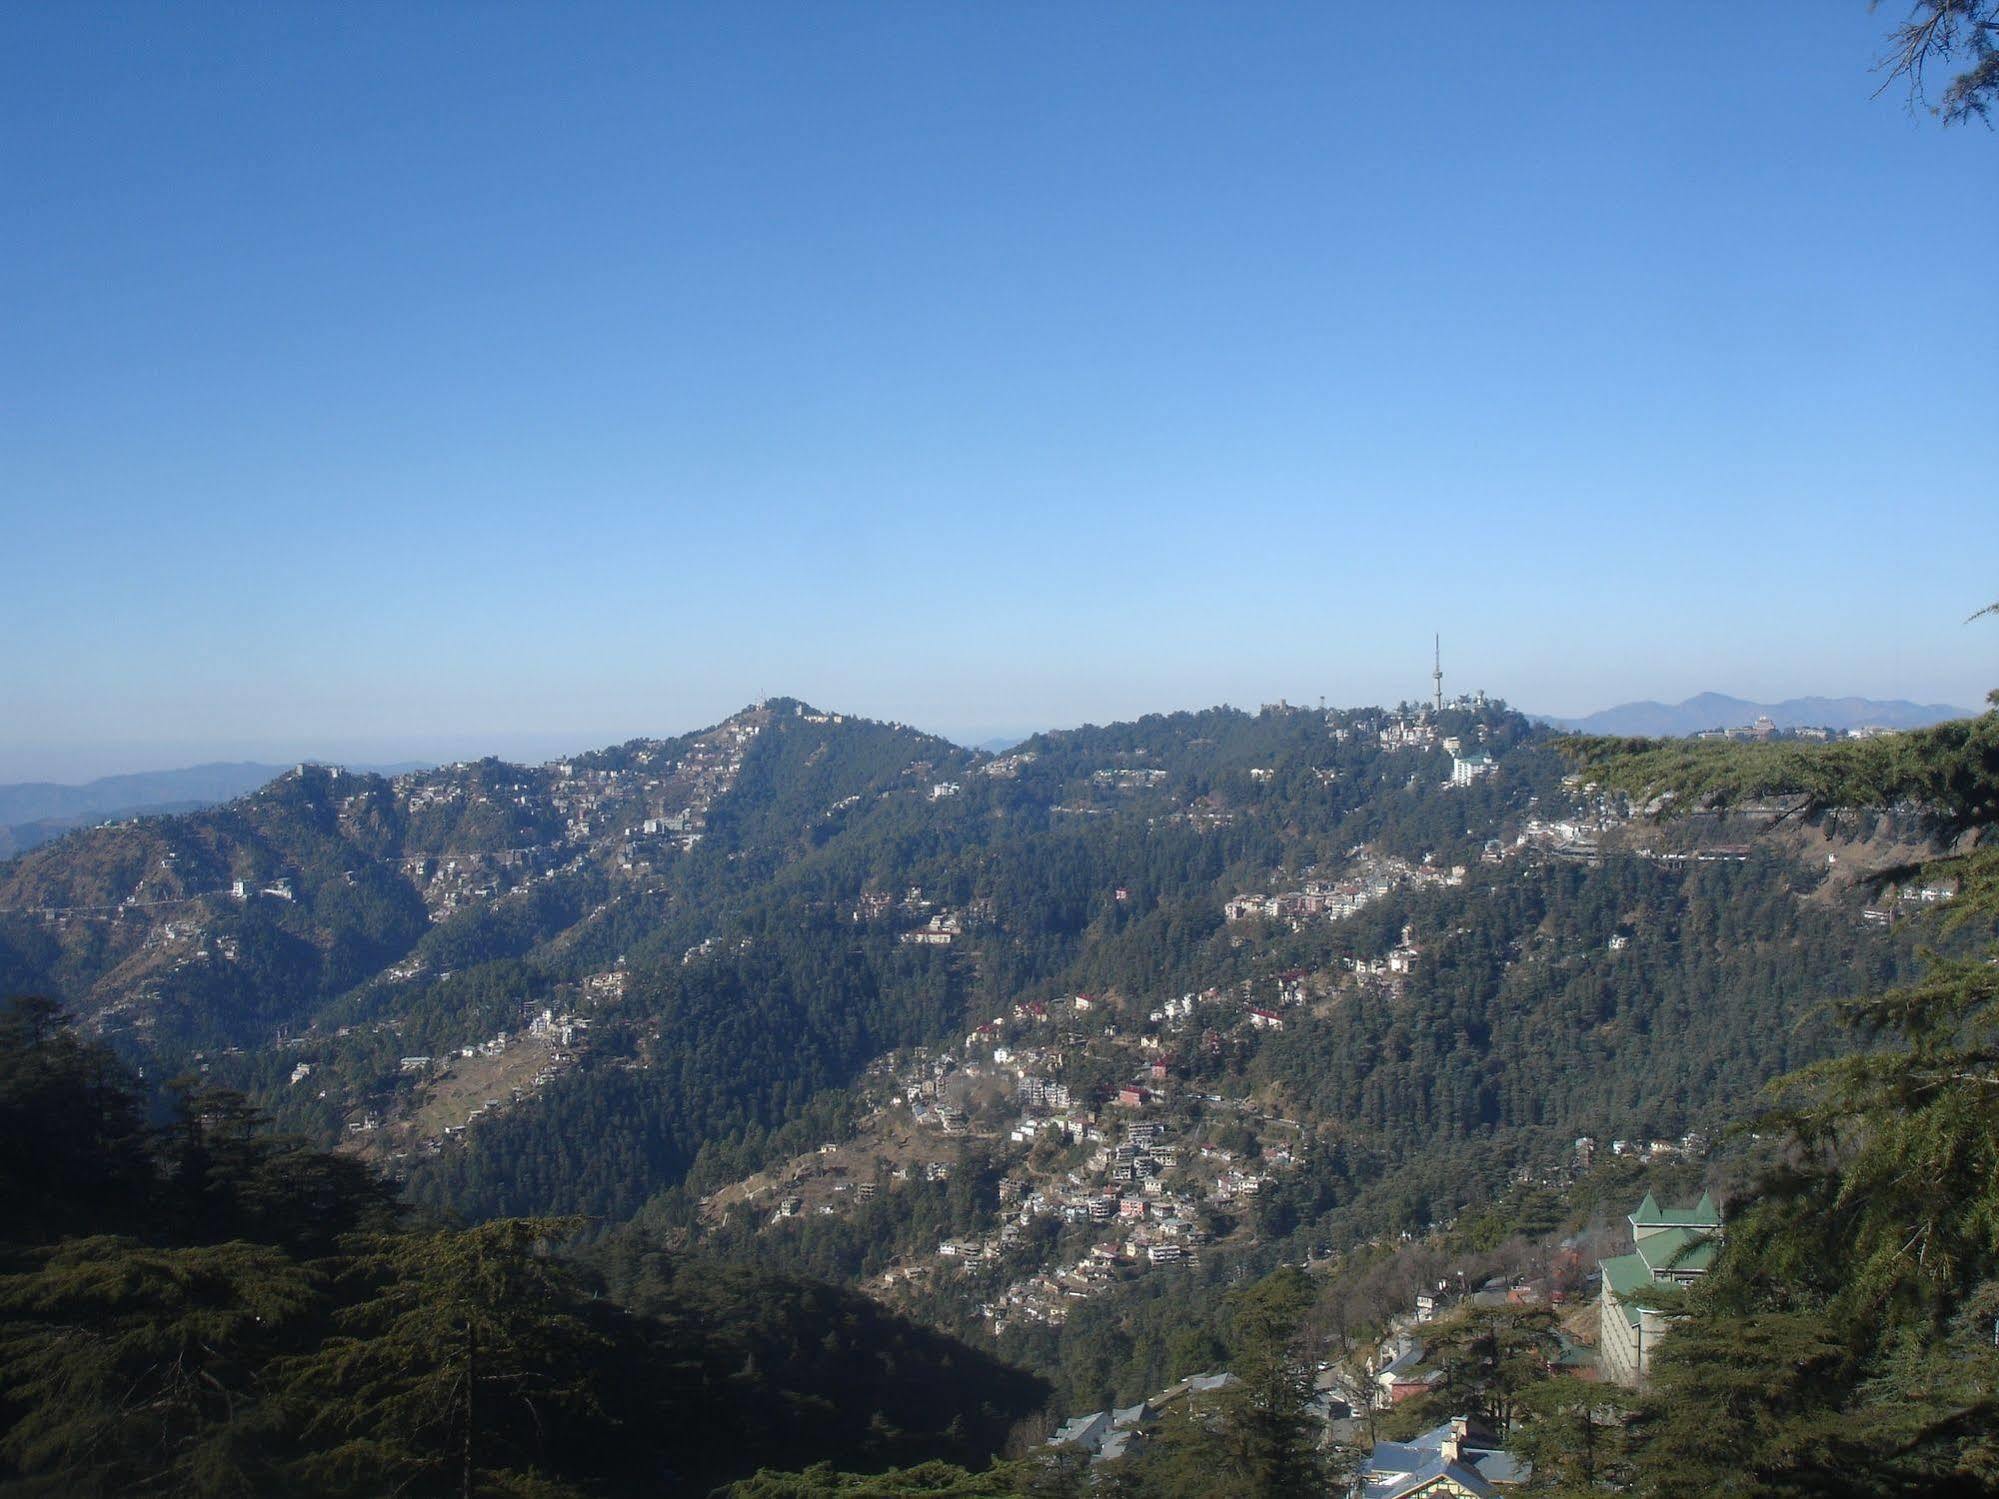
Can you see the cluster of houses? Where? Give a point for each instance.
(1458, 1459)
(1120, 778)
(793, 1204)
(1006, 767)
(1408, 731)
(1578, 836)
(555, 1034)
(1138, 1188)
(1107, 1435)
(1397, 963)
(1690, 1146)
(1143, 1195)
(705, 772)
(1671, 1247)
(932, 926)
(940, 930)
(1906, 898)
(195, 943)
(450, 884)
(1203, 817)
(654, 804)
(1372, 877)
(426, 793)
(549, 1044)
(1763, 727)
(1142, 1188)
(685, 827)
(247, 889)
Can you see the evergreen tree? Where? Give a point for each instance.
(924, 1481)
(228, 1177)
(461, 1364)
(1491, 1358)
(128, 1369)
(74, 1151)
(1572, 1435)
(261, 1321)
(1259, 1439)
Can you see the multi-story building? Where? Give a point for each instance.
(1670, 1246)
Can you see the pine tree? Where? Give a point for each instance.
(463, 1363)
(134, 1369)
(228, 1177)
(1491, 1358)
(74, 1152)
(1259, 1441)
(1572, 1435)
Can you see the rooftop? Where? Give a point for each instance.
(1703, 1214)
(1460, 1450)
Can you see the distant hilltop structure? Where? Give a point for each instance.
(1437, 703)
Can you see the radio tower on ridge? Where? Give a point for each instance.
(1437, 673)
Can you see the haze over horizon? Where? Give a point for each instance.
(83, 765)
(518, 388)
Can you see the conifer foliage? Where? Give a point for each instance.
(1259, 1437)
(200, 1308)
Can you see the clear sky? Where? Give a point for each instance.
(385, 381)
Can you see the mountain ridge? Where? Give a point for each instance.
(33, 813)
(1718, 710)
(211, 781)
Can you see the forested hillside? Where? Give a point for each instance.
(1362, 969)
(200, 1307)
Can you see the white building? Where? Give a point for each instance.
(1468, 768)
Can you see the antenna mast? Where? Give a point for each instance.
(1437, 672)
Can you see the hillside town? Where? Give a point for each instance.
(1367, 878)
(1355, 1393)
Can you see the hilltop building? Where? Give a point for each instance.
(1670, 1246)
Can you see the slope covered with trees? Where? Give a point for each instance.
(720, 937)
(198, 1307)
(1845, 1339)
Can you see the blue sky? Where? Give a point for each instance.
(386, 381)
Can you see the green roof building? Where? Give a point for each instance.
(1670, 1246)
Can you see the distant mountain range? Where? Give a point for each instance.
(1717, 710)
(34, 812)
